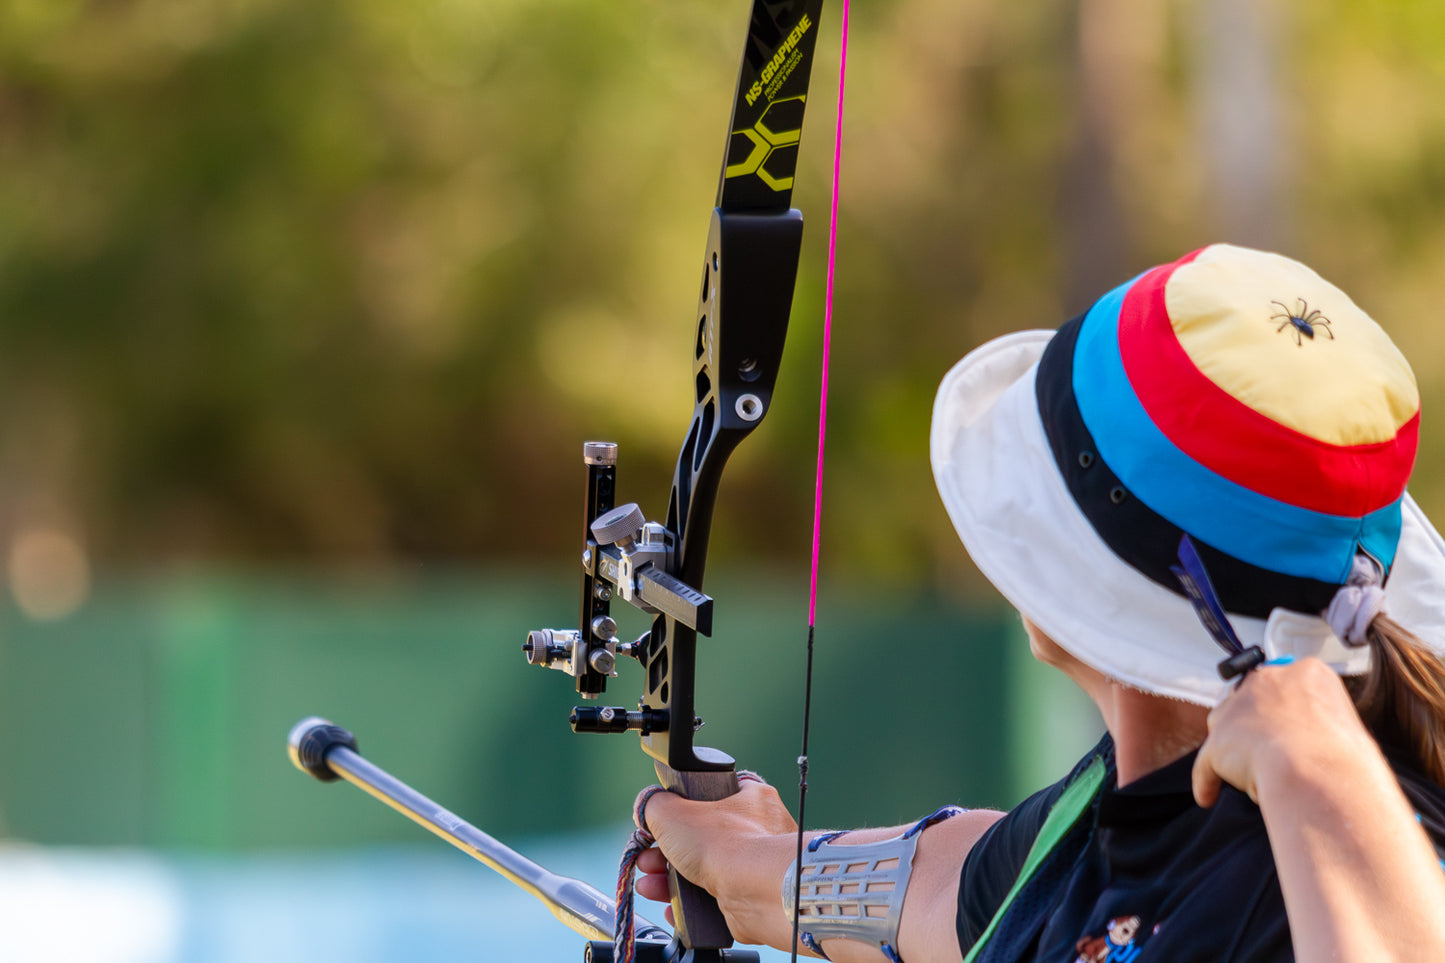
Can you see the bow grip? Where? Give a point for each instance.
(696, 916)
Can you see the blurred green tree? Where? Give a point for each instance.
(350, 282)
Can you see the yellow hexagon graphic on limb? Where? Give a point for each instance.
(773, 138)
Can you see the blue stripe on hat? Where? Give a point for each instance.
(1245, 524)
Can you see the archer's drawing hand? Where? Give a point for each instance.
(736, 848)
(1358, 874)
(1281, 719)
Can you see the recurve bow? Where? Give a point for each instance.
(749, 269)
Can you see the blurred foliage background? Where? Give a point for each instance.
(299, 295)
(345, 284)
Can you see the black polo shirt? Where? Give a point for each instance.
(1144, 871)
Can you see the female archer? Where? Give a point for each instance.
(1194, 494)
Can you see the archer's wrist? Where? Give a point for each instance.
(1317, 768)
(747, 890)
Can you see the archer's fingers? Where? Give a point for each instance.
(652, 861)
(1205, 779)
(653, 886)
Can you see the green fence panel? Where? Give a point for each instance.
(157, 714)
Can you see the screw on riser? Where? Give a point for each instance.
(617, 719)
(635, 650)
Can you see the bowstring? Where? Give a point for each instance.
(818, 479)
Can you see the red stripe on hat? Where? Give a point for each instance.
(1239, 443)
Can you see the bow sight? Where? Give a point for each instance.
(623, 555)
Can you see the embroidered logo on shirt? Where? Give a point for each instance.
(1114, 945)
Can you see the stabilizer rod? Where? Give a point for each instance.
(328, 752)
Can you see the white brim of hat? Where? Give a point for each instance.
(998, 480)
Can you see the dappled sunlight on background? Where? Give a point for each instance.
(49, 573)
(349, 283)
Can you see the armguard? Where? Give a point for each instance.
(855, 892)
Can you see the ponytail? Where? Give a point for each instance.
(1402, 698)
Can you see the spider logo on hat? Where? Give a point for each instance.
(1303, 319)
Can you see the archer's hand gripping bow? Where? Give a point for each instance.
(748, 276)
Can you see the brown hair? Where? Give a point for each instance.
(1402, 698)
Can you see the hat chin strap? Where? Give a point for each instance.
(1337, 636)
(1299, 636)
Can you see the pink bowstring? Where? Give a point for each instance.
(818, 478)
(828, 322)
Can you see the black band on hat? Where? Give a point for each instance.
(1145, 540)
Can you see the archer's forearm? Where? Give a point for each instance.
(1359, 876)
(739, 849)
(927, 932)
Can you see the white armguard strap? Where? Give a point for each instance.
(855, 892)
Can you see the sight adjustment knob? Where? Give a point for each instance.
(619, 526)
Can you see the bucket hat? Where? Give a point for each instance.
(1234, 397)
